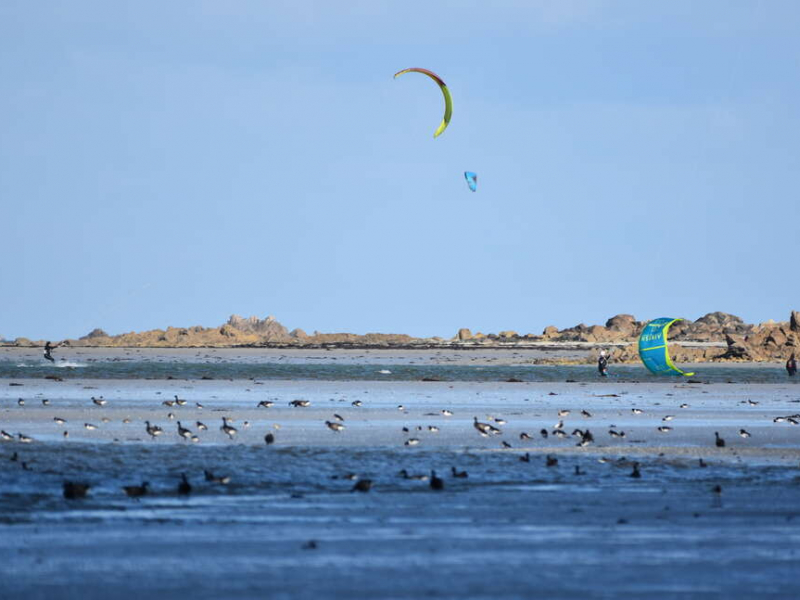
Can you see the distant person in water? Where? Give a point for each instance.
(791, 366)
(602, 364)
(48, 348)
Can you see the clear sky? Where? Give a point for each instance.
(171, 163)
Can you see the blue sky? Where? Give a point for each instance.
(173, 163)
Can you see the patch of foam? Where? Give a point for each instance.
(70, 364)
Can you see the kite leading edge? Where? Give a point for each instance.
(653, 348)
(448, 101)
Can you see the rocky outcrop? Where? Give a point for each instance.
(715, 336)
(95, 333)
(267, 328)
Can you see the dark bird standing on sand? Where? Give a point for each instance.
(404, 474)
(485, 429)
(635, 473)
(333, 426)
(184, 487)
(223, 480)
(183, 432)
(362, 485)
(153, 430)
(74, 490)
(269, 439)
(228, 430)
(544, 433)
(437, 483)
(524, 436)
(551, 461)
(719, 441)
(136, 491)
(525, 457)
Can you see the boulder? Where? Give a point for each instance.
(268, 328)
(622, 323)
(550, 331)
(464, 334)
(94, 333)
(298, 334)
(508, 334)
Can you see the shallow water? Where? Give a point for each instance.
(164, 368)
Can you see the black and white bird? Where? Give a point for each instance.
(180, 401)
(74, 490)
(362, 485)
(334, 426)
(153, 430)
(412, 442)
(459, 474)
(300, 403)
(201, 426)
(90, 426)
(183, 432)
(222, 480)
(744, 434)
(59, 420)
(405, 475)
(265, 404)
(228, 430)
(99, 401)
(136, 491)
(446, 413)
(485, 429)
(356, 403)
(524, 436)
(637, 411)
(665, 429)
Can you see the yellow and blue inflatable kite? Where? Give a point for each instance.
(653, 348)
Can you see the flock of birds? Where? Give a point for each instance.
(491, 427)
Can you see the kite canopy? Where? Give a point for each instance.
(448, 101)
(472, 180)
(653, 348)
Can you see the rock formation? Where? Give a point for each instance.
(715, 336)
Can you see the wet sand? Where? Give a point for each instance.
(510, 529)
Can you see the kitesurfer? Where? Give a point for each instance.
(602, 364)
(791, 366)
(48, 348)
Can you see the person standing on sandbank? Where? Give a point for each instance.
(602, 364)
(791, 366)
